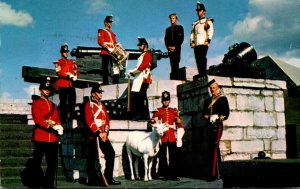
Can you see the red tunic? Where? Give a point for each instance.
(168, 115)
(62, 67)
(43, 109)
(91, 114)
(106, 37)
(146, 63)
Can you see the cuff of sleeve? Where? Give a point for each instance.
(97, 133)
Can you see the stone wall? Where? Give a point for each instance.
(256, 121)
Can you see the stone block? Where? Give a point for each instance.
(279, 104)
(264, 119)
(187, 73)
(261, 133)
(278, 145)
(232, 133)
(239, 118)
(247, 146)
(250, 103)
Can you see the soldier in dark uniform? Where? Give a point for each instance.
(174, 37)
(215, 111)
(169, 141)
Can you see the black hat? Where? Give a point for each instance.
(200, 6)
(97, 89)
(211, 82)
(45, 85)
(108, 19)
(64, 48)
(142, 41)
(165, 96)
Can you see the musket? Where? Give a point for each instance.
(102, 177)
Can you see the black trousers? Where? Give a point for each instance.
(50, 150)
(214, 136)
(168, 170)
(174, 62)
(92, 159)
(200, 52)
(140, 101)
(67, 102)
(106, 62)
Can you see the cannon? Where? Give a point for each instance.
(89, 62)
(238, 62)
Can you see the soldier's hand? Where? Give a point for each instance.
(103, 136)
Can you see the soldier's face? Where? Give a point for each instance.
(214, 89)
(97, 96)
(166, 103)
(173, 19)
(201, 13)
(64, 54)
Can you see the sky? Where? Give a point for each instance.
(32, 31)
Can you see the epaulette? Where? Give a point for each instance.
(210, 19)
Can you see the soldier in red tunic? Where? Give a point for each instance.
(107, 39)
(45, 136)
(142, 80)
(67, 72)
(215, 111)
(99, 123)
(169, 116)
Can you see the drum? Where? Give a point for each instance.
(119, 54)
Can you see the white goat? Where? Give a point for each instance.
(144, 145)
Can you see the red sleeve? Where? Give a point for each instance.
(62, 72)
(107, 121)
(101, 37)
(89, 118)
(146, 63)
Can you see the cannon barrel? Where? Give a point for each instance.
(82, 51)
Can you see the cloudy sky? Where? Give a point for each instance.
(32, 31)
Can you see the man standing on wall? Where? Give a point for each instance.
(107, 39)
(201, 36)
(174, 37)
(215, 111)
(142, 80)
(68, 72)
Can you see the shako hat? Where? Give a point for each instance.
(108, 19)
(200, 6)
(64, 48)
(97, 89)
(142, 41)
(45, 84)
(165, 95)
(211, 82)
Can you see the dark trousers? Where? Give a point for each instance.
(92, 159)
(165, 169)
(106, 62)
(141, 107)
(214, 136)
(67, 102)
(200, 52)
(50, 150)
(174, 62)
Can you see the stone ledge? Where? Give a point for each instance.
(261, 173)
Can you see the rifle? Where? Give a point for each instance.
(102, 177)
